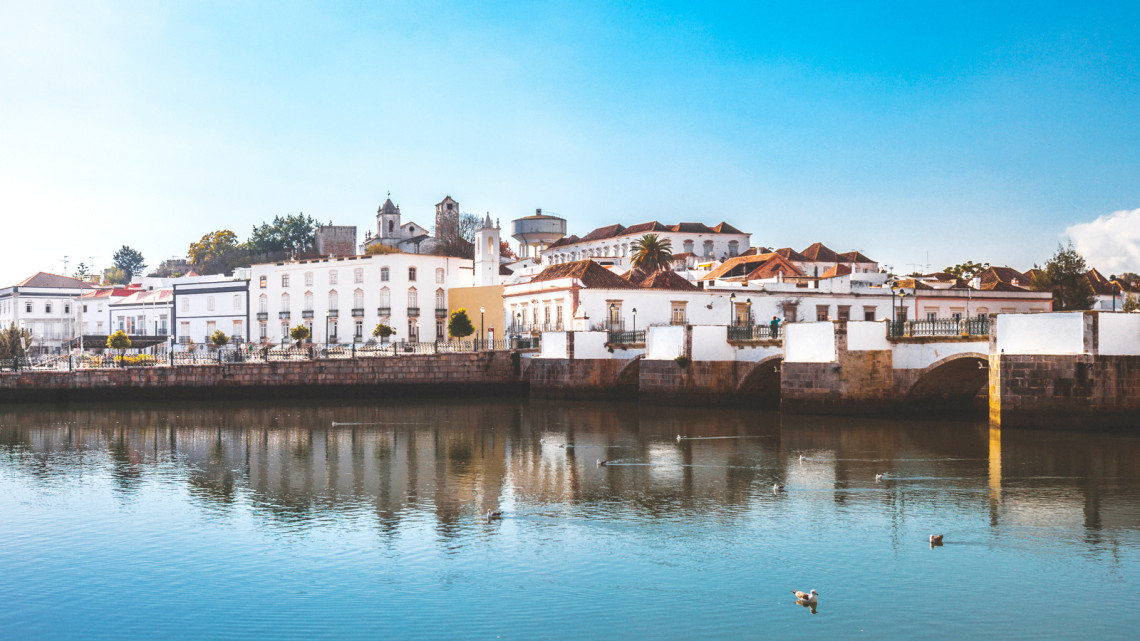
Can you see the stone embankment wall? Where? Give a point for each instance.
(584, 378)
(410, 375)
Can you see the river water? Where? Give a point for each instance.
(367, 521)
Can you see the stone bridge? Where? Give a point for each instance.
(1065, 368)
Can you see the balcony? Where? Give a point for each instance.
(384, 311)
(261, 316)
(334, 313)
(748, 332)
(283, 315)
(358, 312)
(940, 327)
(308, 313)
(620, 337)
(441, 312)
(413, 312)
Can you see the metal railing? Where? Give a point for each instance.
(621, 337)
(262, 316)
(384, 311)
(357, 312)
(534, 328)
(752, 332)
(283, 315)
(334, 313)
(940, 327)
(306, 313)
(441, 312)
(413, 311)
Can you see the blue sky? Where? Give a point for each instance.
(915, 134)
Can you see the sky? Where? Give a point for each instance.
(923, 136)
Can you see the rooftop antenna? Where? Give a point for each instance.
(65, 260)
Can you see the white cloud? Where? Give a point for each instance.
(1110, 243)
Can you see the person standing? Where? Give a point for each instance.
(774, 328)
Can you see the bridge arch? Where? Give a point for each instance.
(951, 383)
(761, 385)
(630, 373)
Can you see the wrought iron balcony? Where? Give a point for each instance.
(334, 313)
(307, 313)
(413, 311)
(747, 332)
(441, 312)
(283, 315)
(940, 327)
(357, 312)
(620, 337)
(262, 316)
(384, 311)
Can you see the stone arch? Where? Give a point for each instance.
(761, 385)
(630, 374)
(952, 383)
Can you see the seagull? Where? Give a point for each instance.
(802, 459)
(935, 539)
(777, 487)
(879, 477)
(678, 438)
(806, 597)
(497, 514)
(602, 462)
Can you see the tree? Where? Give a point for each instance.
(115, 276)
(1066, 276)
(967, 270)
(299, 333)
(651, 253)
(82, 272)
(14, 342)
(459, 325)
(284, 234)
(217, 252)
(383, 331)
(378, 248)
(505, 250)
(119, 341)
(1131, 303)
(129, 260)
(458, 239)
(219, 338)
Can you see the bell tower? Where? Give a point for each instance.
(487, 254)
(388, 222)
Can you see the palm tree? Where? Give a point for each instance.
(651, 253)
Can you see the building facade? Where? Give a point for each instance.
(43, 304)
(613, 245)
(206, 304)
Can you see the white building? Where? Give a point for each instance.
(613, 245)
(352, 295)
(44, 305)
(93, 312)
(206, 304)
(144, 316)
(411, 237)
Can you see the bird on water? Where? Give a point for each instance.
(935, 539)
(492, 515)
(777, 487)
(602, 462)
(811, 597)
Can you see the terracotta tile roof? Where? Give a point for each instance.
(666, 280)
(602, 233)
(1000, 286)
(565, 240)
(644, 228)
(504, 270)
(775, 265)
(1003, 274)
(692, 228)
(44, 279)
(838, 270)
(590, 273)
(854, 257)
(725, 228)
(820, 253)
(910, 283)
(790, 254)
(749, 265)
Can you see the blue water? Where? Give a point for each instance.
(264, 521)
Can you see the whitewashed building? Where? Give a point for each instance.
(344, 299)
(206, 304)
(43, 304)
(613, 245)
(144, 313)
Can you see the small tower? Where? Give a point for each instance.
(487, 254)
(447, 218)
(388, 222)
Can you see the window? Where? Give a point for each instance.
(334, 303)
(677, 313)
(558, 315)
(236, 332)
(211, 327)
(708, 248)
(67, 308)
(613, 309)
(184, 331)
(28, 307)
(284, 280)
(546, 315)
(209, 303)
(358, 275)
(308, 279)
(358, 329)
(931, 313)
(844, 312)
(284, 331)
(263, 303)
(412, 273)
(385, 299)
(185, 306)
(413, 299)
(47, 307)
(332, 277)
(85, 309)
(384, 274)
(733, 248)
(263, 282)
(308, 301)
(284, 302)
(868, 313)
(687, 246)
(439, 274)
(439, 299)
(263, 331)
(413, 330)
(358, 299)
(439, 329)
(821, 312)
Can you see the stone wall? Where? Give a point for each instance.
(1064, 390)
(409, 375)
(586, 378)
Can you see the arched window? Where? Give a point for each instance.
(263, 303)
(391, 226)
(688, 246)
(733, 248)
(285, 302)
(385, 301)
(333, 302)
(358, 299)
(308, 301)
(413, 298)
(440, 302)
(708, 249)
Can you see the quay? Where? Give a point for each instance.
(1054, 369)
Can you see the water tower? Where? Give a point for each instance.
(537, 231)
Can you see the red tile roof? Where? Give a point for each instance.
(44, 279)
(838, 270)
(611, 231)
(666, 280)
(725, 228)
(791, 254)
(761, 265)
(820, 253)
(1003, 274)
(590, 273)
(854, 257)
(602, 233)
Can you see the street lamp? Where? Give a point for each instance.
(1112, 285)
(748, 307)
(327, 316)
(894, 291)
(732, 308)
(634, 310)
(481, 311)
(613, 308)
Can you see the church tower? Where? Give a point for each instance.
(447, 218)
(487, 254)
(388, 222)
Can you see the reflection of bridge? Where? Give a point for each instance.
(1036, 369)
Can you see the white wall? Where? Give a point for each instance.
(553, 345)
(710, 343)
(664, 342)
(757, 353)
(809, 342)
(1049, 333)
(867, 335)
(923, 355)
(591, 345)
(1119, 334)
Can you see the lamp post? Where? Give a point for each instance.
(1112, 285)
(518, 323)
(327, 317)
(894, 314)
(748, 306)
(481, 311)
(613, 308)
(634, 310)
(731, 308)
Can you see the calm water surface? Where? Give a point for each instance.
(365, 521)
